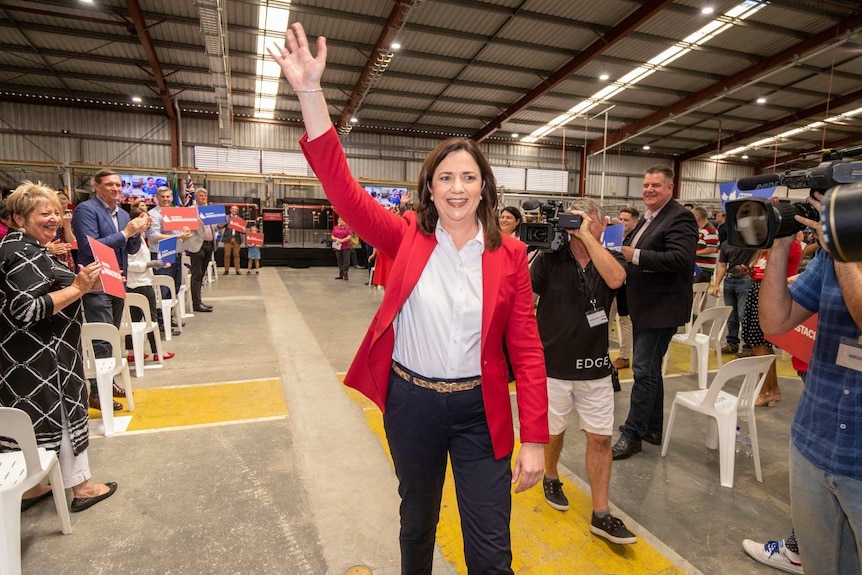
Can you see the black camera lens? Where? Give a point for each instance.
(842, 222)
(756, 222)
(537, 234)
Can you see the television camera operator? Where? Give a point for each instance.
(825, 449)
(575, 285)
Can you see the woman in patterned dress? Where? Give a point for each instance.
(41, 370)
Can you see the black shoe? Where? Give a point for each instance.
(612, 529)
(176, 332)
(28, 503)
(625, 449)
(203, 308)
(82, 503)
(554, 495)
(651, 438)
(239, 273)
(225, 273)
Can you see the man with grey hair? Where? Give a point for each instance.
(575, 286)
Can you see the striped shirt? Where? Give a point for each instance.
(707, 237)
(827, 428)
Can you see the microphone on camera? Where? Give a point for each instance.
(758, 182)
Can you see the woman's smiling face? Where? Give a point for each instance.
(456, 188)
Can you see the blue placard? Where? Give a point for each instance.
(168, 250)
(212, 214)
(729, 191)
(613, 238)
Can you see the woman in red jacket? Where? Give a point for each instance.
(432, 359)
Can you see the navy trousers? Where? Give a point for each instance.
(646, 413)
(423, 428)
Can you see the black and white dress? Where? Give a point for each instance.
(41, 369)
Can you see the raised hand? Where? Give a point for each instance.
(88, 277)
(302, 70)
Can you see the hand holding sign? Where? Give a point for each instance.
(237, 224)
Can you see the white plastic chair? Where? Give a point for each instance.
(700, 291)
(105, 370)
(139, 330)
(169, 306)
(20, 471)
(725, 409)
(212, 270)
(701, 342)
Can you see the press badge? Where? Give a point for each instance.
(597, 317)
(850, 354)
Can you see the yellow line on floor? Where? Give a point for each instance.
(185, 406)
(544, 541)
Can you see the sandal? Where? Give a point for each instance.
(94, 403)
(119, 391)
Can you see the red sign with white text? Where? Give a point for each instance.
(237, 225)
(799, 341)
(254, 239)
(175, 219)
(273, 216)
(110, 275)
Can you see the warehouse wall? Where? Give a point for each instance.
(66, 135)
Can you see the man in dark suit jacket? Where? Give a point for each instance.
(660, 251)
(102, 219)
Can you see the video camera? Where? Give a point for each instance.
(550, 235)
(757, 222)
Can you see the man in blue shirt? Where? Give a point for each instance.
(826, 435)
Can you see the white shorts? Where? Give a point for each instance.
(593, 399)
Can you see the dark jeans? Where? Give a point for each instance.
(423, 427)
(173, 272)
(735, 294)
(102, 308)
(342, 258)
(199, 259)
(646, 414)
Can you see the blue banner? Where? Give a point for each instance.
(168, 250)
(613, 238)
(212, 214)
(729, 191)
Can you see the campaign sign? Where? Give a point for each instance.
(212, 214)
(237, 225)
(613, 238)
(175, 219)
(729, 191)
(799, 341)
(110, 274)
(254, 239)
(168, 250)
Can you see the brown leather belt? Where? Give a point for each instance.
(438, 386)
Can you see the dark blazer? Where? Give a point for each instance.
(92, 219)
(507, 304)
(658, 291)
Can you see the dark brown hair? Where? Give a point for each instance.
(664, 170)
(101, 174)
(426, 213)
(632, 211)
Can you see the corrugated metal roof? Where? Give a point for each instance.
(465, 61)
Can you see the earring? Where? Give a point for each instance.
(430, 197)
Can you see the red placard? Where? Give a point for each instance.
(110, 274)
(273, 216)
(254, 239)
(799, 341)
(237, 225)
(175, 219)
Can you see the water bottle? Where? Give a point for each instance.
(738, 440)
(747, 449)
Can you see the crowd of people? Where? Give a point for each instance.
(50, 284)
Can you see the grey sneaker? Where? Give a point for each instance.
(554, 495)
(612, 529)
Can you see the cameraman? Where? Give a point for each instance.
(575, 286)
(825, 450)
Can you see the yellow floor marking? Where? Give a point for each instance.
(172, 407)
(680, 357)
(544, 541)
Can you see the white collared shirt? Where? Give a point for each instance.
(438, 332)
(649, 215)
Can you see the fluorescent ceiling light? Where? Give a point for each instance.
(272, 21)
(706, 33)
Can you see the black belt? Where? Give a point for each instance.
(438, 386)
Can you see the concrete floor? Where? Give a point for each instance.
(314, 492)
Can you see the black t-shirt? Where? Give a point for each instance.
(734, 256)
(573, 349)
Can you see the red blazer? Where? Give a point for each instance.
(507, 302)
